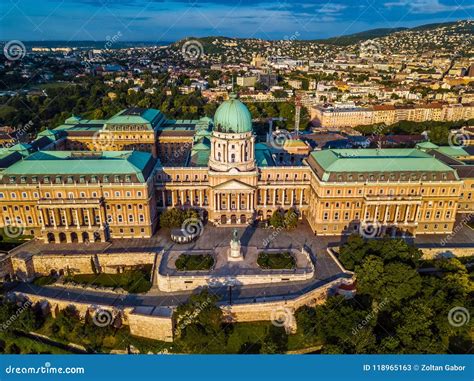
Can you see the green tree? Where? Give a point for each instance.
(277, 220)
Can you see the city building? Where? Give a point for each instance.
(337, 117)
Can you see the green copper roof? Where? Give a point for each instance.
(233, 116)
(378, 160)
(426, 145)
(136, 116)
(263, 155)
(82, 163)
(452, 151)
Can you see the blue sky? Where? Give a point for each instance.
(156, 20)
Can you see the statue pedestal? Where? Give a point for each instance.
(235, 251)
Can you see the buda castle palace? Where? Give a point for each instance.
(95, 180)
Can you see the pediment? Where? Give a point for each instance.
(233, 185)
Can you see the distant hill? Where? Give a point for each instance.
(361, 36)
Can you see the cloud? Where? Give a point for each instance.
(427, 6)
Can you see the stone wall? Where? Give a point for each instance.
(152, 326)
(447, 252)
(28, 267)
(191, 282)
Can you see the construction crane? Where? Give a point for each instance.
(279, 100)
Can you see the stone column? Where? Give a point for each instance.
(283, 197)
(407, 214)
(239, 200)
(53, 218)
(292, 197)
(387, 208)
(396, 214)
(78, 225)
(228, 201)
(301, 197)
(274, 197)
(163, 198)
(200, 198)
(88, 218)
(43, 221)
(173, 198)
(66, 222)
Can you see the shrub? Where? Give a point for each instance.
(194, 262)
(276, 261)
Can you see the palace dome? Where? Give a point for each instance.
(232, 116)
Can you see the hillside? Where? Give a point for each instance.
(446, 38)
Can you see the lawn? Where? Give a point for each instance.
(276, 261)
(11, 343)
(194, 262)
(246, 337)
(133, 281)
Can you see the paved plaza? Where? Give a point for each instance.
(326, 269)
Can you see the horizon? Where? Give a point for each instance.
(244, 37)
(170, 21)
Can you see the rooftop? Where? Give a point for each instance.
(378, 160)
(83, 163)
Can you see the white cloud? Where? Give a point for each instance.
(427, 6)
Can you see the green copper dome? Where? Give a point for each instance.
(233, 116)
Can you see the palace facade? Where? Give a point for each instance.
(93, 180)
